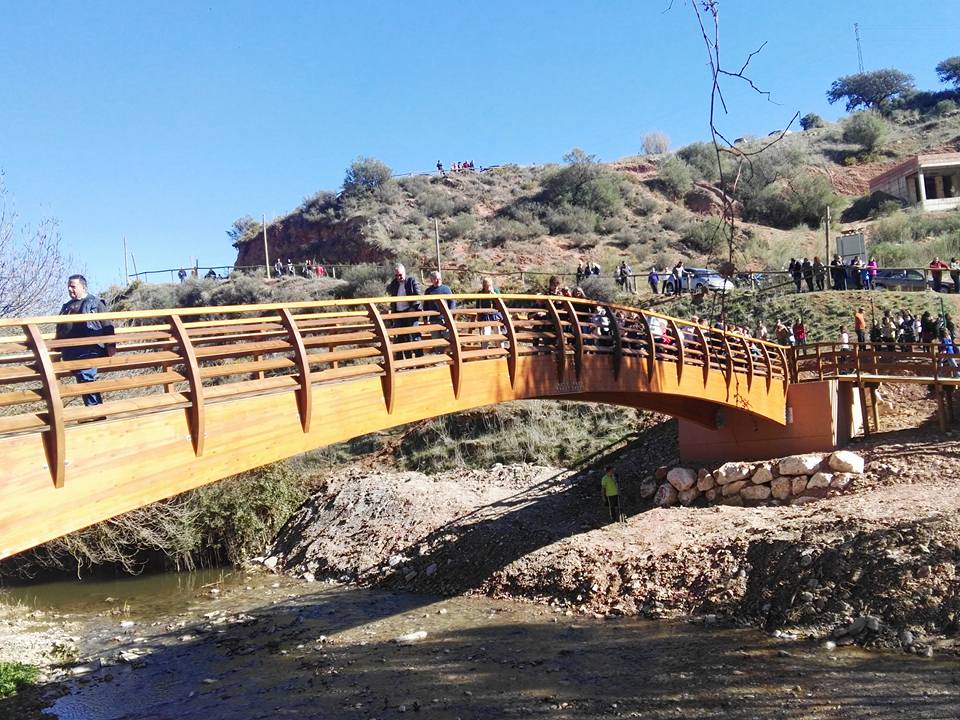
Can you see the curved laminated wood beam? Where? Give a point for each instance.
(511, 339)
(679, 339)
(706, 352)
(54, 438)
(727, 350)
(561, 340)
(389, 367)
(746, 349)
(577, 335)
(651, 346)
(197, 410)
(304, 393)
(617, 344)
(453, 337)
(785, 369)
(769, 364)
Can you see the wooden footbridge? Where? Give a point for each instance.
(191, 396)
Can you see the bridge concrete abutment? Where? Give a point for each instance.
(820, 416)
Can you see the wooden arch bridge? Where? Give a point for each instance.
(191, 396)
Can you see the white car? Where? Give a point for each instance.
(699, 280)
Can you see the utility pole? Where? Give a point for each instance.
(436, 235)
(126, 273)
(856, 32)
(826, 232)
(266, 250)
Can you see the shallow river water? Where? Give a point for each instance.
(247, 645)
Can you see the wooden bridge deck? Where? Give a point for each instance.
(195, 395)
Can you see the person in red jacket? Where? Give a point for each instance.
(799, 332)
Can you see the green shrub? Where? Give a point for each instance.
(458, 227)
(701, 158)
(583, 183)
(707, 237)
(674, 173)
(811, 121)
(14, 676)
(435, 204)
(361, 279)
(504, 230)
(945, 107)
(365, 175)
(601, 289)
(865, 129)
(675, 220)
(568, 220)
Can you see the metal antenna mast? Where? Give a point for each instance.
(856, 32)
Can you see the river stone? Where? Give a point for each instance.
(731, 472)
(780, 488)
(846, 461)
(800, 464)
(733, 488)
(819, 480)
(841, 480)
(755, 492)
(661, 472)
(431, 569)
(798, 484)
(706, 482)
(735, 500)
(271, 562)
(762, 476)
(682, 478)
(803, 500)
(857, 626)
(711, 494)
(411, 638)
(666, 496)
(686, 497)
(873, 623)
(906, 638)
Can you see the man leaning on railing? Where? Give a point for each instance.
(84, 303)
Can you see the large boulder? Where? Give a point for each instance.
(686, 497)
(841, 480)
(733, 488)
(731, 472)
(798, 484)
(846, 461)
(705, 482)
(755, 492)
(800, 464)
(819, 480)
(648, 488)
(682, 478)
(780, 488)
(666, 496)
(712, 494)
(762, 476)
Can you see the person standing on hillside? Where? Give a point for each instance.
(182, 275)
(84, 303)
(955, 274)
(937, 266)
(799, 332)
(860, 326)
(819, 272)
(807, 268)
(796, 272)
(403, 286)
(437, 287)
(839, 273)
(611, 492)
(654, 279)
(581, 271)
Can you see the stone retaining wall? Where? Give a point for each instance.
(790, 480)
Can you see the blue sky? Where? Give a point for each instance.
(164, 122)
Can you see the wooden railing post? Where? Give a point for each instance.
(511, 339)
(192, 371)
(561, 340)
(746, 349)
(304, 393)
(819, 363)
(389, 368)
(453, 337)
(577, 335)
(55, 436)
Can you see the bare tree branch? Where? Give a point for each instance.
(32, 263)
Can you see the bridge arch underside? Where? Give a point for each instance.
(120, 464)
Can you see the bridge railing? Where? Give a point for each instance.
(872, 360)
(186, 359)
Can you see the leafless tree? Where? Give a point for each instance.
(32, 263)
(707, 14)
(655, 143)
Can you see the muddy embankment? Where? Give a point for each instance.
(876, 566)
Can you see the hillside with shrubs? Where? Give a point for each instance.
(650, 209)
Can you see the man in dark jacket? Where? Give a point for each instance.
(402, 286)
(83, 303)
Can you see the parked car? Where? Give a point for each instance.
(699, 280)
(909, 280)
